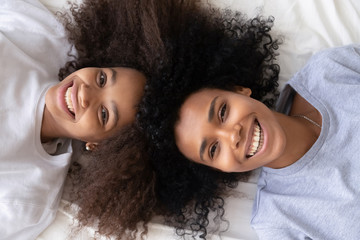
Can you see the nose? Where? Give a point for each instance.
(235, 136)
(232, 135)
(84, 95)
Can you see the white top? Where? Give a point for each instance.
(33, 47)
(306, 27)
(317, 197)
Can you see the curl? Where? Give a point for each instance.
(115, 192)
(217, 50)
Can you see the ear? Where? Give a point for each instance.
(242, 90)
(90, 146)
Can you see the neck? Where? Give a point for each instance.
(300, 136)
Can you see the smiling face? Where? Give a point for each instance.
(229, 131)
(91, 104)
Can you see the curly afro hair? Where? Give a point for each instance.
(115, 190)
(221, 49)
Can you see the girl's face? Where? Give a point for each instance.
(92, 104)
(229, 131)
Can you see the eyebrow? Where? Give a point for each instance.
(113, 104)
(202, 149)
(210, 117)
(116, 113)
(113, 76)
(212, 109)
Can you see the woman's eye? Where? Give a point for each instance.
(222, 112)
(212, 150)
(102, 79)
(104, 115)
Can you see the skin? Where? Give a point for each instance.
(222, 139)
(103, 99)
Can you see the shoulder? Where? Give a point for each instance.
(279, 233)
(329, 67)
(28, 16)
(37, 218)
(344, 55)
(25, 6)
(31, 36)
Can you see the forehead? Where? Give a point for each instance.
(126, 93)
(128, 77)
(193, 122)
(201, 99)
(195, 108)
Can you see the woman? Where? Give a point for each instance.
(308, 154)
(213, 133)
(237, 52)
(97, 96)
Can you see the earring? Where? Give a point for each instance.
(90, 146)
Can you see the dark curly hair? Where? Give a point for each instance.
(219, 50)
(115, 191)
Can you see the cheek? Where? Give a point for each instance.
(276, 134)
(51, 99)
(88, 126)
(89, 120)
(127, 114)
(226, 161)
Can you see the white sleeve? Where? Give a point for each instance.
(26, 17)
(25, 216)
(38, 37)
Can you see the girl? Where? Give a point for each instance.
(39, 116)
(238, 51)
(114, 187)
(306, 148)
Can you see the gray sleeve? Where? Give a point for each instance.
(280, 233)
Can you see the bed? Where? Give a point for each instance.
(306, 27)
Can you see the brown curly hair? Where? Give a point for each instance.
(115, 191)
(108, 33)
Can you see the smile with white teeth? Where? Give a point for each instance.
(69, 101)
(257, 140)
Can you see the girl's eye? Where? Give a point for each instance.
(104, 115)
(102, 79)
(222, 112)
(212, 150)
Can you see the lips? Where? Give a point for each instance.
(66, 99)
(257, 140)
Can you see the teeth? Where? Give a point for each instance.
(257, 141)
(68, 100)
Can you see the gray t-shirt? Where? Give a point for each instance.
(318, 197)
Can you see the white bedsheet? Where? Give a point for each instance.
(307, 26)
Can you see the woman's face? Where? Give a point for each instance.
(229, 131)
(92, 104)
